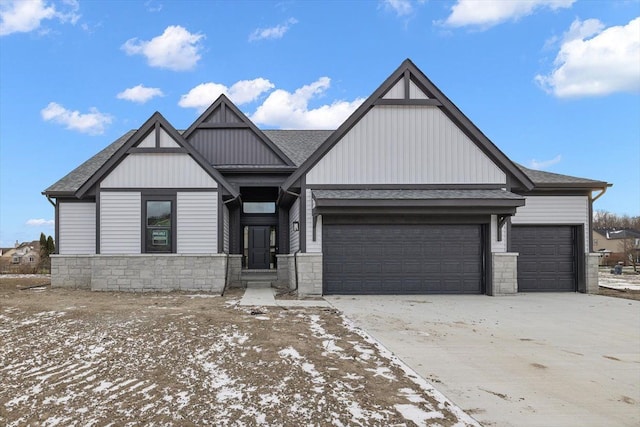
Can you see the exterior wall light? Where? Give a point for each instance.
(296, 226)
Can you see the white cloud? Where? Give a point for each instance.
(291, 110)
(175, 49)
(242, 92)
(400, 7)
(152, 6)
(139, 94)
(487, 13)
(23, 16)
(544, 164)
(594, 61)
(41, 222)
(272, 33)
(20, 16)
(92, 123)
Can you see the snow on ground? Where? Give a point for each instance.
(120, 360)
(619, 281)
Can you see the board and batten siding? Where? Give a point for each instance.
(405, 145)
(294, 236)
(165, 140)
(555, 210)
(76, 228)
(197, 223)
(158, 170)
(120, 222)
(314, 247)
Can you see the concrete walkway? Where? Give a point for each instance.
(265, 297)
(528, 360)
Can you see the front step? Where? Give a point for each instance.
(258, 278)
(254, 284)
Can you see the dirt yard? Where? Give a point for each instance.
(80, 358)
(620, 286)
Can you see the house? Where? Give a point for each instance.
(617, 245)
(406, 196)
(26, 254)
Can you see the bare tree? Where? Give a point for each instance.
(605, 219)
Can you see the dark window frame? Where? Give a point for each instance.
(169, 197)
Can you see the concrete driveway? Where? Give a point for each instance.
(526, 360)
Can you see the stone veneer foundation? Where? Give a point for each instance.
(592, 260)
(138, 273)
(309, 274)
(504, 270)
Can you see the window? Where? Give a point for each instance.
(259, 207)
(158, 233)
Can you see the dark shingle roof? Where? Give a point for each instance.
(544, 179)
(618, 233)
(415, 194)
(70, 183)
(298, 145)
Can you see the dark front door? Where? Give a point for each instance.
(259, 246)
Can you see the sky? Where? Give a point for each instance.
(555, 84)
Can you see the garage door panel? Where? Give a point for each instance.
(392, 267)
(547, 258)
(372, 267)
(412, 267)
(403, 258)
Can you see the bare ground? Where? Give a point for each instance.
(70, 357)
(626, 285)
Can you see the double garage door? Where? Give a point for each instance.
(402, 259)
(547, 260)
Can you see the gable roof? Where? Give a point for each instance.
(71, 182)
(297, 144)
(110, 157)
(409, 73)
(542, 179)
(235, 120)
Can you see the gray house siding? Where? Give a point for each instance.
(120, 222)
(76, 228)
(197, 222)
(158, 170)
(405, 145)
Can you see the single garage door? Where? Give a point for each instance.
(547, 258)
(402, 259)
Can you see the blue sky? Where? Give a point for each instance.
(555, 84)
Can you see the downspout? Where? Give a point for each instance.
(295, 267)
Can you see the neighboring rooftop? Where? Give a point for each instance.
(618, 233)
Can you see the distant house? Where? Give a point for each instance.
(617, 244)
(407, 196)
(25, 254)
